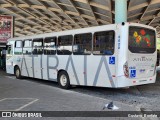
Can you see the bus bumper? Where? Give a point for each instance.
(122, 81)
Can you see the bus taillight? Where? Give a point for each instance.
(125, 69)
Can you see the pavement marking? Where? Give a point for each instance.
(20, 108)
(10, 77)
(19, 98)
(13, 77)
(2, 99)
(26, 105)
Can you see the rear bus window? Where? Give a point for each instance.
(103, 43)
(142, 40)
(64, 45)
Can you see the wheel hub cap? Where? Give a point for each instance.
(63, 80)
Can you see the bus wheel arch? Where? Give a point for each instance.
(17, 72)
(63, 79)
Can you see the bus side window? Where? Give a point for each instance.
(38, 46)
(27, 47)
(103, 43)
(82, 44)
(50, 46)
(18, 47)
(64, 45)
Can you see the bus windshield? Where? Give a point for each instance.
(142, 40)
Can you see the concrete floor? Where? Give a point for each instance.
(39, 95)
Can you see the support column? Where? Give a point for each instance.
(120, 11)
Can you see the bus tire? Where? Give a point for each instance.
(63, 80)
(18, 73)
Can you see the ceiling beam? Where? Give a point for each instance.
(94, 4)
(92, 12)
(78, 12)
(66, 14)
(145, 10)
(144, 4)
(154, 18)
(82, 1)
(44, 17)
(27, 12)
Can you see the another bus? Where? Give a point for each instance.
(115, 56)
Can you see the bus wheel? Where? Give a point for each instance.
(18, 73)
(63, 80)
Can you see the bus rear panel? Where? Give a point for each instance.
(140, 63)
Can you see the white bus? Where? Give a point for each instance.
(116, 56)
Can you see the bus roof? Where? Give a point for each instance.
(76, 31)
